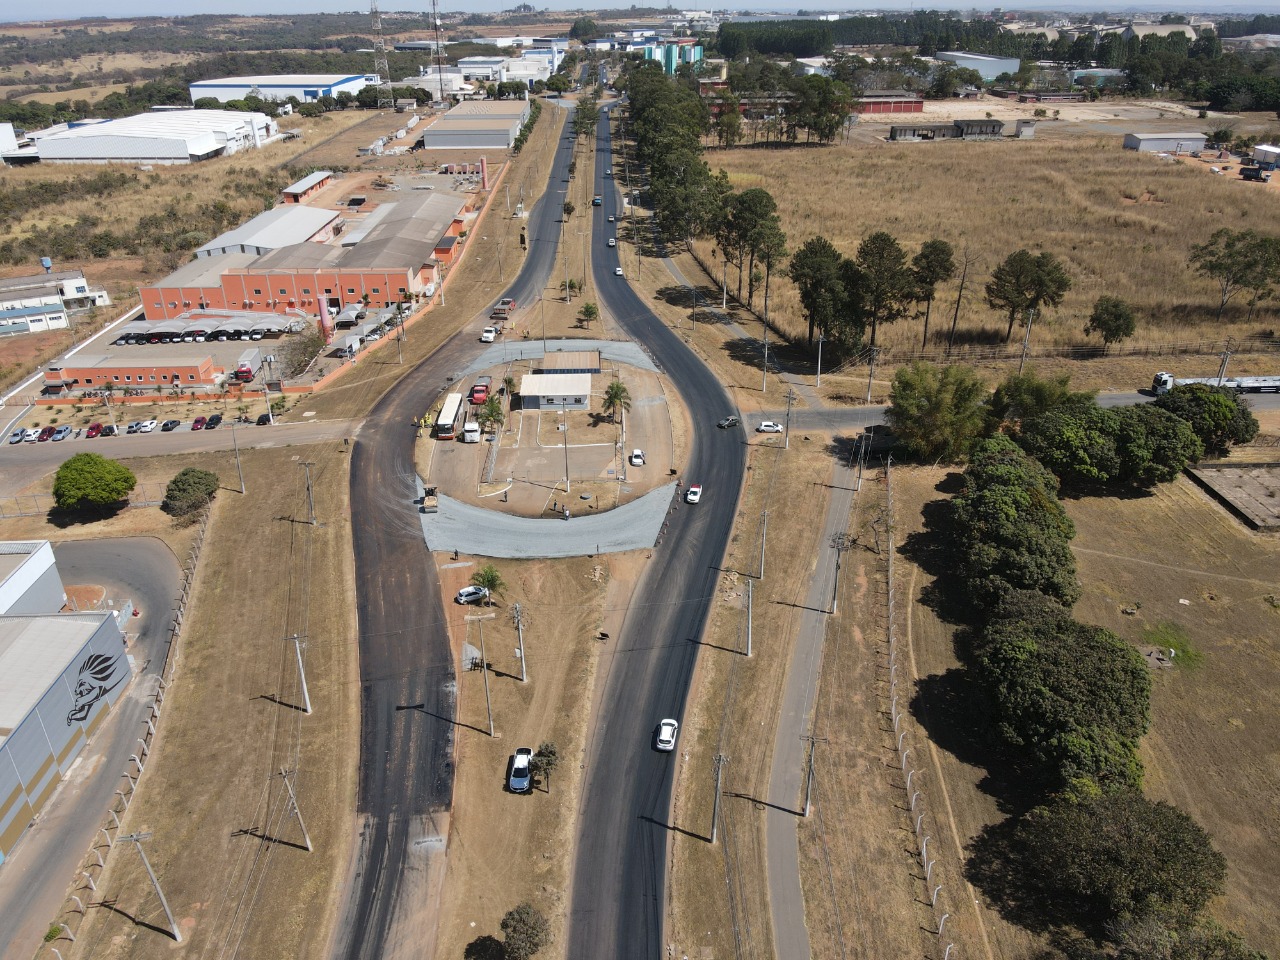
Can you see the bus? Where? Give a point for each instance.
(447, 422)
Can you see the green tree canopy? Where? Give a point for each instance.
(1023, 396)
(1218, 415)
(1023, 284)
(190, 490)
(1113, 319)
(489, 578)
(526, 931)
(584, 28)
(1077, 443)
(1120, 854)
(91, 480)
(936, 412)
(1154, 444)
(885, 282)
(934, 264)
(815, 270)
(617, 399)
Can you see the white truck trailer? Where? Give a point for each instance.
(1164, 382)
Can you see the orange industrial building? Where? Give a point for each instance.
(153, 375)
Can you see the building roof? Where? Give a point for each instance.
(974, 56)
(1168, 136)
(206, 271)
(890, 95)
(275, 228)
(453, 124)
(34, 651)
(37, 281)
(555, 384)
(571, 360)
(282, 80)
(98, 361)
(14, 553)
(489, 108)
(309, 181)
(166, 123)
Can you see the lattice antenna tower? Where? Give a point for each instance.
(439, 46)
(386, 99)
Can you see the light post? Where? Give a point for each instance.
(821, 341)
(564, 412)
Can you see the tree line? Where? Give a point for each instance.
(1063, 704)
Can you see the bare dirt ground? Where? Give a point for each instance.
(1152, 553)
(231, 722)
(507, 848)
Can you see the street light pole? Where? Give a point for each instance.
(564, 412)
(724, 284)
(821, 341)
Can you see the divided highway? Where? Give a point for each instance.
(619, 882)
(406, 669)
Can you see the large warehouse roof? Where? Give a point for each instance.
(281, 80)
(34, 651)
(167, 134)
(206, 271)
(278, 227)
(489, 108)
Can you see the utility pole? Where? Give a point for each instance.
(1026, 341)
(720, 760)
(764, 367)
(724, 285)
(298, 644)
(564, 412)
(543, 301)
(236, 443)
(764, 529)
(136, 839)
(749, 583)
(808, 780)
(841, 542)
(871, 372)
(484, 665)
(821, 341)
(1226, 357)
(519, 618)
(786, 432)
(293, 806)
(311, 500)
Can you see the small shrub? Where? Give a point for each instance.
(53, 933)
(190, 490)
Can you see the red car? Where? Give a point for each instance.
(198, 423)
(93, 431)
(46, 433)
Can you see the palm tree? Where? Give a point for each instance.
(588, 312)
(489, 578)
(617, 398)
(491, 415)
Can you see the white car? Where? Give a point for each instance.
(665, 740)
(31, 436)
(146, 426)
(472, 594)
(617, 271)
(768, 426)
(489, 334)
(611, 242)
(693, 494)
(610, 218)
(637, 458)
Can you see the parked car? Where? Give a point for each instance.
(213, 422)
(17, 435)
(198, 423)
(693, 494)
(134, 427)
(110, 430)
(471, 594)
(146, 426)
(46, 434)
(94, 430)
(768, 426)
(264, 419)
(665, 739)
(61, 433)
(170, 425)
(31, 435)
(728, 422)
(637, 458)
(520, 779)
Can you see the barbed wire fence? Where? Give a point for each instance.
(147, 494)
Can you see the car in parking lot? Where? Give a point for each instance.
(471, 594)
(46, 434)
(520, 779)
(198, 423)
(693, 494)
(665, 738)
(17, 435)
(617, 271)
(170, 425)
(637, 458)
(728, 422)
(768, 426)
(110, 430)
(213, 422)
(31, 435)
(134, 427)
(95, 429)
(61, 433)
(611, 242)
(146, 426)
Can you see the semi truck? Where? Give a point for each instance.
(1256, 174)
(504, 308)
(480, 392)
(1164, 382)
(247, 366)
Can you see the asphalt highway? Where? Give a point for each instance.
(407, 709)
(618, 898)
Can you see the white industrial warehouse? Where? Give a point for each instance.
(60, 674)
(162, 137)
(275, 228)
(477, 124)
(305, 87)
(1164, 142)
(988, 67)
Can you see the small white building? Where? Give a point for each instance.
(555, 391)
(1164, 142)
(1265, 153)
(34, 304)
(988, 67)
(305, 87)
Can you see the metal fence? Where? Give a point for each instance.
(37, 504)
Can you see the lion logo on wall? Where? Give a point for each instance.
(96, 681)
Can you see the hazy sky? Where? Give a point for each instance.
(72, 9)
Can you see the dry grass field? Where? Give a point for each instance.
(1123, 224)
(1178, 558)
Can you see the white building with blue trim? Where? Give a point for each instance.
(39, 303)
(307, 88)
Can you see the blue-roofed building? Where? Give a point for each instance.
(307, 88)
(39, 303)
